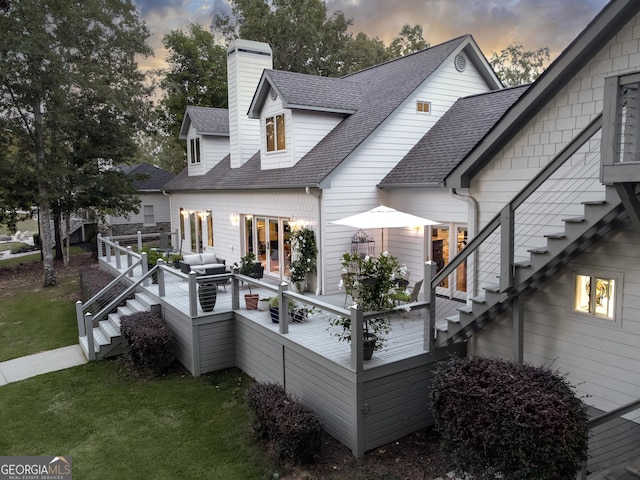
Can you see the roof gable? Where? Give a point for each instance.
(206, 121)
(451, 139)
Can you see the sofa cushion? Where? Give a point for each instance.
(208, 258)
(193, 259)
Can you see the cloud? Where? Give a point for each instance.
(493, 23)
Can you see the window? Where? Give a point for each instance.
(275, 130)
(423, 107)
(209, 228)
(595, 295)
(149, 218)
(195, 150)
(182, 214)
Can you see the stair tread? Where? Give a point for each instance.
(108, 328)
(556, 236)
(538, 250)
(479, 299)
(574, 220)
(453, 318)
(492, 288)
(523, 264)
(465, 309)
(442, 325)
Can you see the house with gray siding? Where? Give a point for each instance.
(153, 216)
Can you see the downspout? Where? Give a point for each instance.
(472, 227)
(319, 263)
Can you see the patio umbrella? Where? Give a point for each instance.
(383, 217)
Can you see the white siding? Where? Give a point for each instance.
(303, 131)
(227, 237)
(599, 357)
(244, 70)
(353, 185)
(160, 205)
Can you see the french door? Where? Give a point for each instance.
(446, 242)
(269, 239)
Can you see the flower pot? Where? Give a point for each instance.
(274, 312)
(207, 295)
(299, 287)
(251, 301)
(298, 314)
(263, 305)
(368, 345)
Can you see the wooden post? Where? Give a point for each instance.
(107, 247)
(91, 349)
(357, 338)
(145, 268)
(507, 247)
(129, 259)
(175, 241)
(283, 313)
(139, 241)
(80, 319)
(193, 294)
(430, 296)
(359, 408)
(235, 294)
(117, 253)
(160, 270)
(100, 245)
(518, 330)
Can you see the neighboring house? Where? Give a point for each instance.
(310, 151)
(154, 203)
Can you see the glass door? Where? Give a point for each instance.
(446, 243)
(269, 239)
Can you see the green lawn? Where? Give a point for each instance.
(33, 319)
(115, 426)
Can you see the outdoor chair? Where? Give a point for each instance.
(406, 297)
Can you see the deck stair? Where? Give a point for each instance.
(630, 471)
(600, 218)
(107, 339)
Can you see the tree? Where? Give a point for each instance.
(516, 66)
(72, 97)
(410, 40)
(197, 75)
(304, 38)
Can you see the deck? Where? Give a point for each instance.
(363, 404)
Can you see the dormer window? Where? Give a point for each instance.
(275, 133)
(195, 150)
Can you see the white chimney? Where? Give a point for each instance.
(246, 60)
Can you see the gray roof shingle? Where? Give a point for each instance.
(381, 89)
(206, 121)
(451, 139)
(151, 178)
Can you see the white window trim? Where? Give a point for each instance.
(591, 318)
(275, 134)
(424, 102)
(192, 150)
(144, 216)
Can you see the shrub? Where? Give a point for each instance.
(92, 280)
(498, 417)
(22, 248)
(147, 341)
(295, 428)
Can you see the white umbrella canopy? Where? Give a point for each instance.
(384, 217)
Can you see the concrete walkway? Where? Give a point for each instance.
(44, 362)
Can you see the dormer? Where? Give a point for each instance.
(296, 111)
(206, 131)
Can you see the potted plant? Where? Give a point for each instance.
(175, 258)
(247, 267)
(274, 309)
(303, 257)
(375, 281)
(207, 295)
(263, 304)
(153, 255)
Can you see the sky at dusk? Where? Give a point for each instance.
(493, 23)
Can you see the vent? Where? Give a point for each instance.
(274, 94)
(460, 62)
